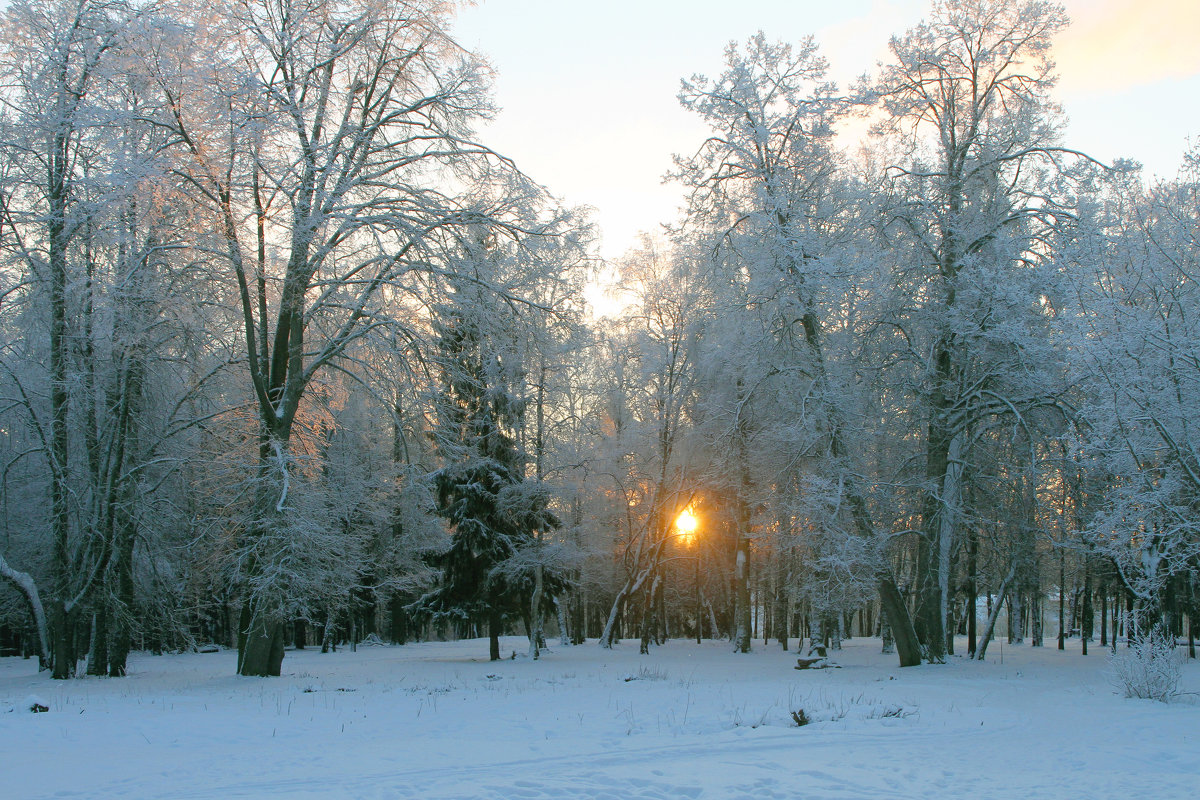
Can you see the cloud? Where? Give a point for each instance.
(1114, 45)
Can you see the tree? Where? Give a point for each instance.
(494, 516)
(1135, 268)
(764, 193)
(650, 464)
(326, 143)
(56, 60)
(966, 95)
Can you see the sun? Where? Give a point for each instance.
(687, 523)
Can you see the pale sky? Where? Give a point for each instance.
(588, 90)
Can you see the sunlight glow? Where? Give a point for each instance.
(687, 523)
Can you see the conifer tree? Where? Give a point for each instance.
(493, 513)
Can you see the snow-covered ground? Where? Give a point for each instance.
(437, 720)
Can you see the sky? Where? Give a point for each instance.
(587, 91)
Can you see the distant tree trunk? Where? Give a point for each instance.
(563, 638)
(1085, 623)
(885, 634)
(972, 589)
(993, 615)
(1192, 633)
(1015, 616)
(1035, 614)
(781, 603)
(495, 622)
(1062, 591)
(1102, 592)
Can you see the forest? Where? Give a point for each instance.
(290, 357)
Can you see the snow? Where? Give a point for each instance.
(437, 720)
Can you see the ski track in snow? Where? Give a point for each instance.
(435, 722)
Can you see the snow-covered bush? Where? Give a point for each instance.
(1149, 669)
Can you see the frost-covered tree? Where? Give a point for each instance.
(330, 147)
(965, 97)
(778, 220)
(1137, 450)
(494, 514)
(93, 232)
(650, 467)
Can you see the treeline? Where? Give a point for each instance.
(290, 356)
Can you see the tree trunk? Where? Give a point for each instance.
(993, 615)
(537, 638)
(741, 573)
(937, 511)
(892, 605)
(972, 590)
(780, 614)
(122, 628)
(563, 636)
(606, 637)
(261, 654)
(1103, 592)
(1062, 591)
(885, 634)
(98, 652)
(1015, 616)
(1085, 622)
(494, 624)
(63, 642)
(26, 585)
(1035, 614)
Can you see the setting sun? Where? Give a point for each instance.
(687, 523)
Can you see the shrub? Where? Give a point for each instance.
(1149, 668)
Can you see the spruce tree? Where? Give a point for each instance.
(493, 513)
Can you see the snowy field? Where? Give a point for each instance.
(436, 720)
